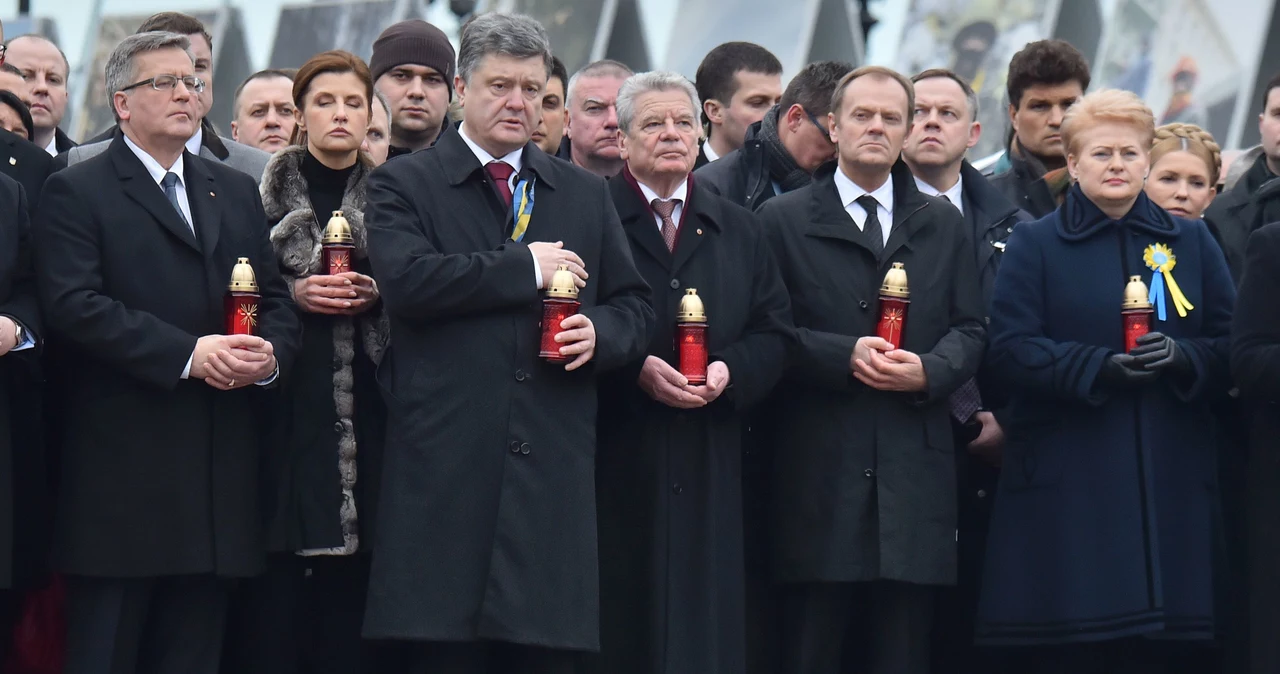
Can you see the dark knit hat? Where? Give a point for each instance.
(417, 42)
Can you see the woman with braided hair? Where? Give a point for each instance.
(1185, 163)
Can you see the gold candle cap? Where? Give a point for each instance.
(691, 308)
(562, 284)
(1136, 295)
(243, 280)
(338, 230)
(895, 282)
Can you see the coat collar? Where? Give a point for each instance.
(137, 183)
(1080, 219)
(702, 214)
(831, 220)
(460, 162)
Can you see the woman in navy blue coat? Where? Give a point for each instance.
(1103, 532)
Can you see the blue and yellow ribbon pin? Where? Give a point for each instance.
(1160, 259)
(521, 208)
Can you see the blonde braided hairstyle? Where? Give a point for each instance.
(1177, 137)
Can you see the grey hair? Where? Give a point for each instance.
(602, 68)
(382, 98)
(120, 70)
(644, 83)
(513, 35)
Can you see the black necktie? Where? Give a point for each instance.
(871, 227)
(170, 185)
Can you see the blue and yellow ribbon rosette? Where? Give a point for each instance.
(1160, 259)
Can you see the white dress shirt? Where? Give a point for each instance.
(679, 196)
(955, 195)
(850, 193)
(52, 147)
(157, 174)
(709, 151)
(516, 161)
(194, 142)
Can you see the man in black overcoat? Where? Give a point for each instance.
(486, 557)
(669, 467)
(158, 496)
(864, 502)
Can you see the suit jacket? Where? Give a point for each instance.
(160, 473)
(489, 447)
(864, 480)
(241, 157)
(27, 163)
(62, 142)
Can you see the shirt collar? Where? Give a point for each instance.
(955, 195)
(52, 147)
(850, 192)
(709, 151)
(194, 142)
(513, 159)
(681, 193)
(153, 167)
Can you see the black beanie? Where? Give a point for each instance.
(416, 42)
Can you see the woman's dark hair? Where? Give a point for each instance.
(11, 99)
(335, 61)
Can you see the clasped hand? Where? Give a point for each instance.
(343, 294)
(666, 385)
(1153, 354)
(877, 364)
(228, 362)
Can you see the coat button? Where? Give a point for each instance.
(863, 305)
(515, 447)
(869, 473)
(982, 493)
(675, 284)
(677, 489)
(337, 426)
(520, 375)
(524, 448)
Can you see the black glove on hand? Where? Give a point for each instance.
(1155, 351)
(1121, 371)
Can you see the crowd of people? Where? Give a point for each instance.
(456, 363)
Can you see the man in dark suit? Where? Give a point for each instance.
(45, 69)
(864, 504)
(486, 552)
(158, 501)
(27, 164)
(669, 468)
(945, 127)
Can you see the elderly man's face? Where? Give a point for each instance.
(593, 117)
(264, 114)
(502, 102)
(663, 138)
(154, 115)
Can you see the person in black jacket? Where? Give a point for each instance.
(158, 499)
(864, 502)
(1045, 78)
(325, 448)
(945, 128)
(781, 151)
(668, 468)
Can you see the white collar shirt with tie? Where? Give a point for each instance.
(679, 196)
(516, 161)
(849, 195)
(158, 172)
(955, 195)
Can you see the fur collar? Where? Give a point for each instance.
(297, 232)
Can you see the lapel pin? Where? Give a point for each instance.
(13, 162)
(699, 232)
(212, 194)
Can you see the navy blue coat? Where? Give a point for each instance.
(1104, 524)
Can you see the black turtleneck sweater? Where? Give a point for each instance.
(325, 186)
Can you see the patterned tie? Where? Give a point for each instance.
(170, 185)
(966, 401)
(664, 209)
(501, 172)
(875, 235)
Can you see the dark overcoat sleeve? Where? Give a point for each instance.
(1021, 356)
(69, 279)
(757, 360)
(417, 282)
(818, 359)
(1255, 347)
(956, 357)
(1210, 351)
(623, 315)
(22, 305)
(279, 322)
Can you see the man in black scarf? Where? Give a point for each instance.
(784, 149)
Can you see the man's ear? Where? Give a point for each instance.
(975, 134)
(714, 111)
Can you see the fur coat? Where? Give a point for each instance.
(296, 237)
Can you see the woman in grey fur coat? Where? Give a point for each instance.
(328, 419)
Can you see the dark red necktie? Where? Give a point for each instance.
(501, 172)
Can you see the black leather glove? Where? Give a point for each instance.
(1121, 371)
(1155, 351)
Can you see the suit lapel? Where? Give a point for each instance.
(139, 186)
(694, 229)
(831, 221)
(205, 210)
(638, 222)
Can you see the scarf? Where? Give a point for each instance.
(782, 167)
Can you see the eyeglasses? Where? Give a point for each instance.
(169, 83)
(821, 127)
(4, 49)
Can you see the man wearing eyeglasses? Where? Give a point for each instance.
(205, 141)
(782, 150)
(159, 439)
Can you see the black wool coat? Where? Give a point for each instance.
(159, 473)
(669, 481)
(487, 526)
(864, 480)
